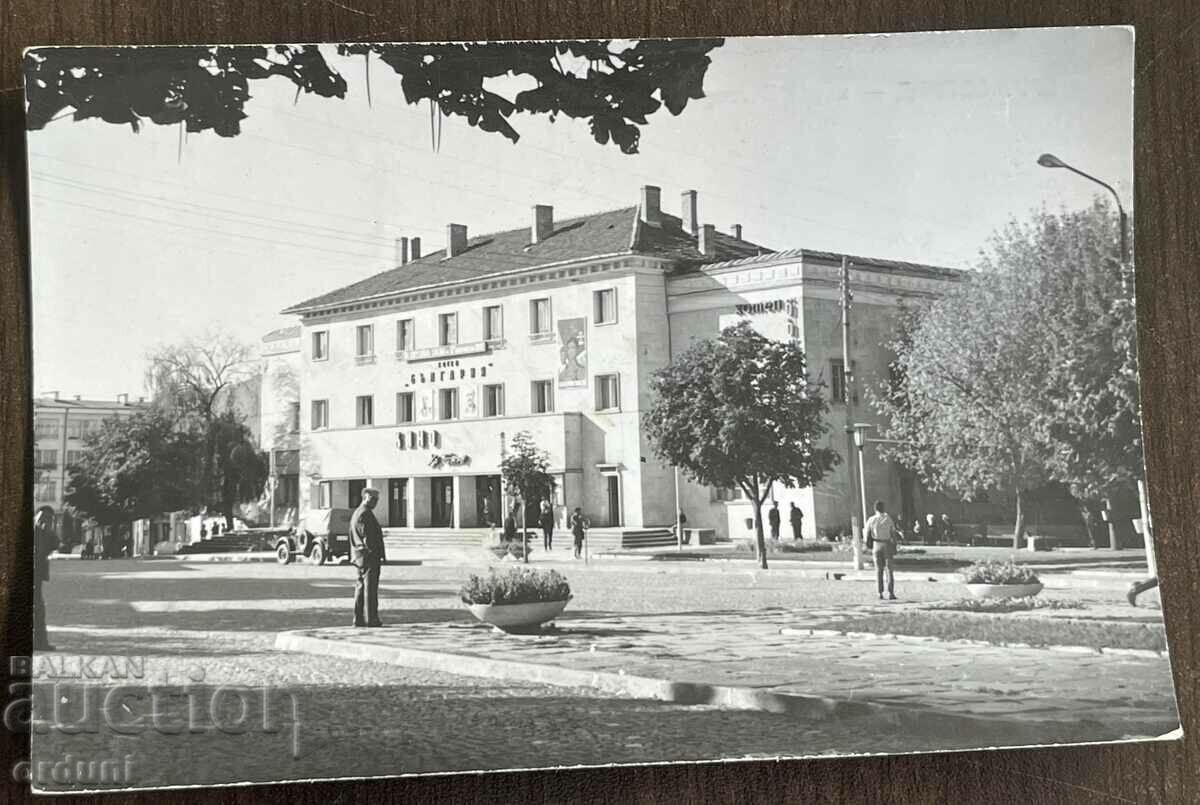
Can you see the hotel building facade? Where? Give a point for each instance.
(415, 380)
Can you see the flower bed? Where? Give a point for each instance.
(1005, 631)
(517, 585)
(1005, 604)
(998, 573)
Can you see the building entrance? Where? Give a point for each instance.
(398, 502)
(442, 502)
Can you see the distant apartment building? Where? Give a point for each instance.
(60, 425)
(278, 419)
(415, 380)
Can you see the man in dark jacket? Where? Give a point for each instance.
(44, 539)
(796, 518)
(773, 519)
(366, 554)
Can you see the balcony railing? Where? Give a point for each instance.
(445, 351)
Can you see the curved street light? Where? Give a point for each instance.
(1051, 161)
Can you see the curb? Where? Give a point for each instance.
(913, 721)
(1123, 652)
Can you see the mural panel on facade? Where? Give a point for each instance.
(572, 369)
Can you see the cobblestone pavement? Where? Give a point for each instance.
(217, 624)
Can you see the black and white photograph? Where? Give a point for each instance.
(423, 408)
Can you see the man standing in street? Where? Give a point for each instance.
(796, 518)
(367, 555)
(773, 519)
(579, 526)
(44, 539)
(881, 540)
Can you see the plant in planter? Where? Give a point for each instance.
(516, 599)
(1000, 580)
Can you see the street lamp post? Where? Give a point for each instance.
(860, 441)
(1051, 161)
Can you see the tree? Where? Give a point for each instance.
(524, 470)
(611, 84)
(132, 468)
(192, 383)
(740, 411)
(1024, 375)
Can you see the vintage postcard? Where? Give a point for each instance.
(423, 408)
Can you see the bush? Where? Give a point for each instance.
(998, 573)
(517, 585)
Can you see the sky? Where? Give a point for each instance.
(907, 146)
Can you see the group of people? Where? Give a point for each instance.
(795, 519)
(577, 523)
(933, 529)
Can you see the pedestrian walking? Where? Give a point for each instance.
(681, 527)
(44, 540)
(216, 529)
(546, 521)
(203, 531)
(796, 518)
(881, 540)
(367, 554)
(773, 518)
(579, 527)
(931, 529)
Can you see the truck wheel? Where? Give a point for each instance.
(317, 554)
(283, 554)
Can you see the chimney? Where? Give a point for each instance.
(456, 239)
(650, 209)
(415, 248)
(123, 399)
(543, 223)
(401, 251)
(688, 217)
(736, 231)
(708, 240)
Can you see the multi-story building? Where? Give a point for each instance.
(279, 420)
(416, 379)
(59, 428)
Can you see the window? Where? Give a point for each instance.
(294, 417)
(364, 408)
(608, 392)
(447, 329)
(320, 414)
(45, 490)
(325, 495)
(539, 317)
(493, 400)
(45, 428)
(726, 494)
(838, 385)
(74, 457)
(45, 459)
(605, 306)
(75, 429)
(405, 407)
(448, 404)
(405, 336)
(542, 396)
(320, 345)
(364, 340)
(493, 323)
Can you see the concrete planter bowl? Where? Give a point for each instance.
(1004, 590)
(518, 618)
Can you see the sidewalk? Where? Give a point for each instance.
(767, 660)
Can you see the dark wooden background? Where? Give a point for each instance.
(1167, 200)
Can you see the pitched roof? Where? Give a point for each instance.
(615, 232)
(920, 269)
(99, 405)
(283, 333)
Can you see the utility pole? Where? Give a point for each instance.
(847, 391)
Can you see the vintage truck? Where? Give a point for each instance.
(321, 534)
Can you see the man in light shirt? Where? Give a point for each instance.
(881, 539)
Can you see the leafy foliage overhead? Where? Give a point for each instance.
(613, 85)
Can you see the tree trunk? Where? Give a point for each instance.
(524, 534)
(759, 539)
(1019, 526)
